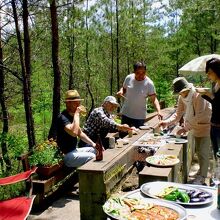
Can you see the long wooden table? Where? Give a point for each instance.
(97, 179)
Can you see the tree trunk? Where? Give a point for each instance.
(117, 50)
(88, 66)
(56, 68)
(27, 59)
(4, 157)
(71, 41)
(26, 77)
(112, 54)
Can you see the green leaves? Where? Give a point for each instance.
(45, 154)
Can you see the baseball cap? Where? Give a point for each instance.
(111, 99)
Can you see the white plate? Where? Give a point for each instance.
(175, 207)
(149, 140)
(202, 90)
(152, 189)
(145, 127)
(162, 160)
(176, 140)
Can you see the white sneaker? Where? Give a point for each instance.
(199, 180)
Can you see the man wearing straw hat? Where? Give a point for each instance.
(68, 129)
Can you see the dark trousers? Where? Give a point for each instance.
(215, 138)
(132, 122)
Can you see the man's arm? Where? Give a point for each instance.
(121, 92)
(73, 129)
(156, 104)
(86, 139)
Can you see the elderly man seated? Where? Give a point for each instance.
(100, 122)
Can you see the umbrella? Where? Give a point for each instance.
(198, 64)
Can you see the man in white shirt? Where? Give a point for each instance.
(137, 87)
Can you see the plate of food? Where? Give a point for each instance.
(176, 140)
(150, 141)
(177, 192)
(127, 208)
(162, 160)
(202, 90)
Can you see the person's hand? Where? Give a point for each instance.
(95, 146)
(78, 110)
(181, 131)
(121, 94)
(162, 124)
(160, 116)
(124, 128)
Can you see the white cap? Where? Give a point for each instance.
(111, 99)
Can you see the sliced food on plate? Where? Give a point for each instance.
(140, 208)
(163, 160)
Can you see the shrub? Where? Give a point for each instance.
(45, 154)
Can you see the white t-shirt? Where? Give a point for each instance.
(135, 106)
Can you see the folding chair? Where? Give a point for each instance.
(17, 208)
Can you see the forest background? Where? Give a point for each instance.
(50, 46)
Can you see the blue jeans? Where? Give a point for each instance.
(79, 156)
(215, 138)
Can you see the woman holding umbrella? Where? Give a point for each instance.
(213, 72)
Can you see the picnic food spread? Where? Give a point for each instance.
(138, 209)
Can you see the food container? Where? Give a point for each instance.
(111, 142)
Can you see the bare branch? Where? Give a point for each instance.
(14, 73)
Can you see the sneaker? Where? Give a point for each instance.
(199, 180)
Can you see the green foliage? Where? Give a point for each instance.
(15, 144)
(11, 191)
(45, 154)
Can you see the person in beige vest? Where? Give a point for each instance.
(197, 114)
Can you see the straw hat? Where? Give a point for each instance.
(72, 95)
